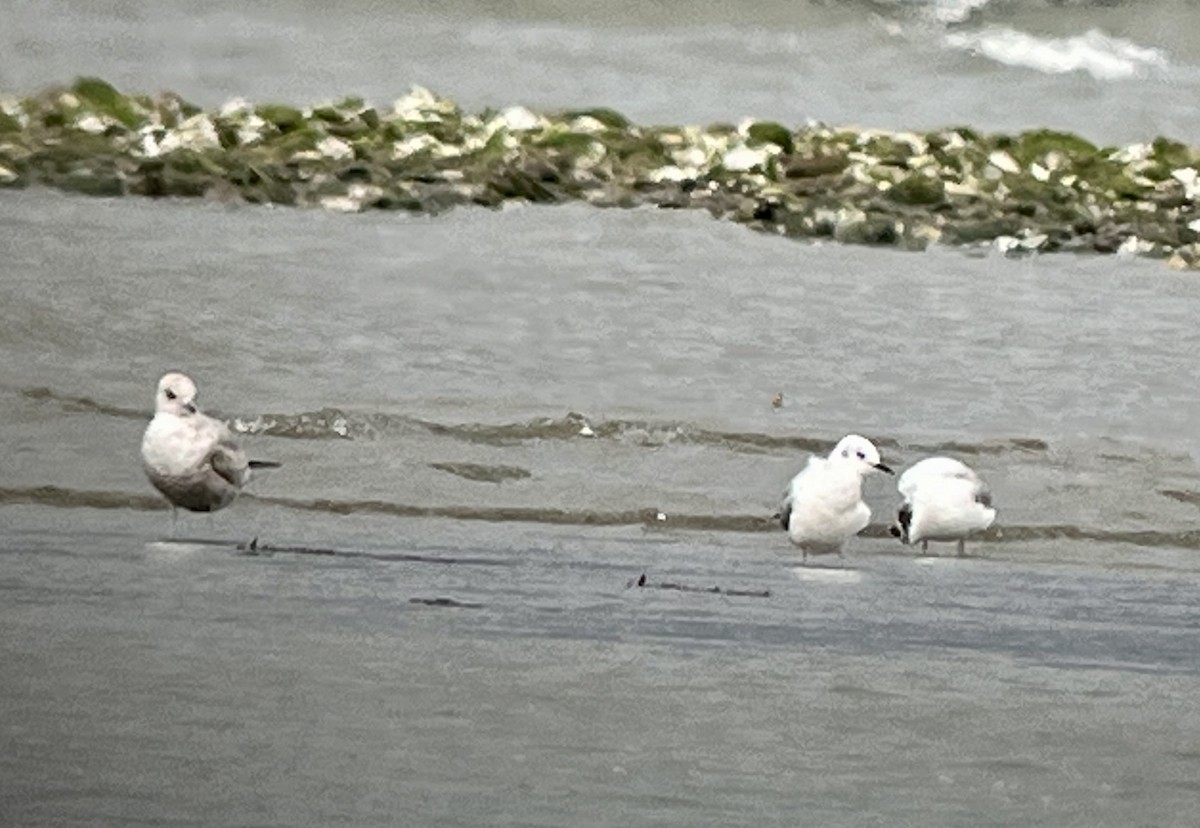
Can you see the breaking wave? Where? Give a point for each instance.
(1100, 55)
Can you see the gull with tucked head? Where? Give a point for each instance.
(823, 504)
(191, 458)
(944, 500)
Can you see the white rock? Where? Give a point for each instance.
(590, 159)
(1131, 153)
(964, 188)
(848, 217)
(1006, 244)
(916, 143)
(354, 200)
(928, 233)
(250, 130)
(148, 140)
(1134, 246)
(1039, 172)
(824, 215)
(588, 124)
(421, 106)
(1194, 226)
(335, 148)
(520, 119)
(586, 431)
(1001, 160)
(453, 150)
(689, 157)
(413, 144)
(197, 133)
(954, 140)
(93, 124)
(859, 173)
(744, 159)
(1187, 176)
(668, 173)
(7, 176)
(236, 106)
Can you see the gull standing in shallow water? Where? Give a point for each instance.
(823, 505)
(944, 500)
(190, 457)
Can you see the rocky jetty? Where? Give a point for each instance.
(1040, 190)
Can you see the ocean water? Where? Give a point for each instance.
(1113, 71)
(492, 423)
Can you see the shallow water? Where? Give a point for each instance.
(402, 363)
(186, 684)
(492, 423)
(452, 638)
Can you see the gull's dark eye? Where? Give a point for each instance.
(861, 455)
(170, 394)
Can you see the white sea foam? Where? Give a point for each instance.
(954, 11)
(1100, 55)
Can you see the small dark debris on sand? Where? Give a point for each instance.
(445, 602)
(641, 581)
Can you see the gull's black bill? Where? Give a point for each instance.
(884, 468)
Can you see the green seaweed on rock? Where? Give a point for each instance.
(1039, 190)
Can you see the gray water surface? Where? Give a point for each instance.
(185, 684)
(695, 62)
(1047, 680)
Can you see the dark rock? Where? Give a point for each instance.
(769, 132)
(820, 165)
(918, 189)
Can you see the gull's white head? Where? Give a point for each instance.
(176, 395)
(860, 453)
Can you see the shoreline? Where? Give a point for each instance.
(1037, 191)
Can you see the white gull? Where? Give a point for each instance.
(823, 504)
(944, 500)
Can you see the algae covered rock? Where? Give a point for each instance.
(769, 132)
(1035, 191)
(917, 189)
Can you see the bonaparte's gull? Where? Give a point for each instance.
(944, 500)
(190, 457)
(823, 504)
